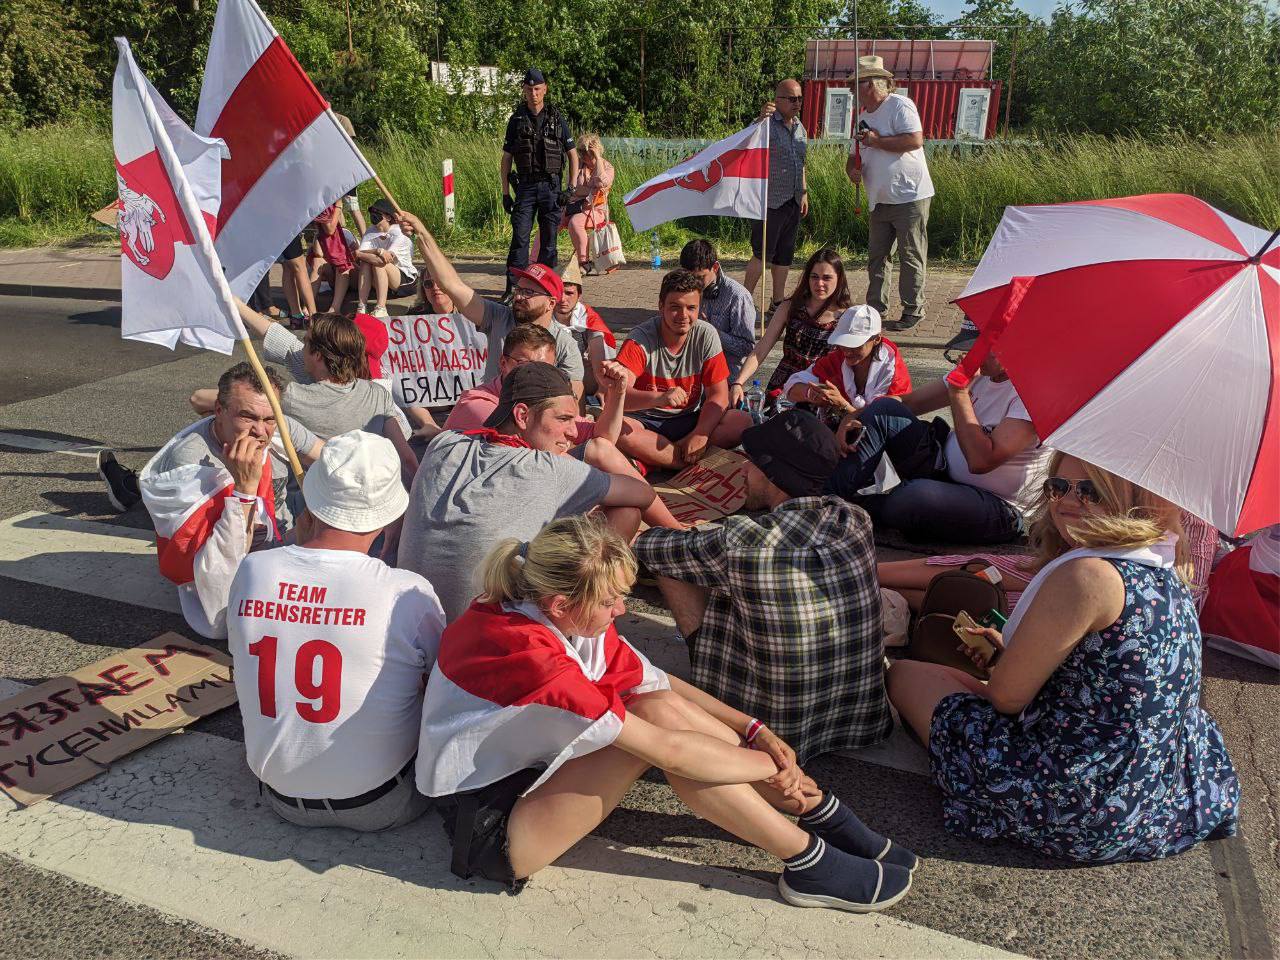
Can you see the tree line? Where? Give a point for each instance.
(1204, 68)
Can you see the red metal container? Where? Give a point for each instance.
(937, 101)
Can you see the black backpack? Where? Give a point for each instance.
(932, 638)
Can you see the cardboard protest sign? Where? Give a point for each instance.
(69, 729)
(433, 358)
(714, 487)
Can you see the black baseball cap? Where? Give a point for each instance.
(382, 208)
(528, 383)
(795, 450)
(534, 76)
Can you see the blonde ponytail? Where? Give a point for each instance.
(581, 558)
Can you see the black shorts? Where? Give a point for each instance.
(674, 428)
(476, 824)
(292, 251)
(784, 224)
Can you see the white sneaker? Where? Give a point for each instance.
(378, 312)
(362, 307)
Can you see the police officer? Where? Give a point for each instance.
(540, 146)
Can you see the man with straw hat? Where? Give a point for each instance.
(899, 190)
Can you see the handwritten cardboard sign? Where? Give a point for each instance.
(714, 487)
(69, 729)
(433, 358)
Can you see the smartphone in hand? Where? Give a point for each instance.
(963, 623)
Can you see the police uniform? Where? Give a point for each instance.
(539, 147)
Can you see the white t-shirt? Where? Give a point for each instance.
(331, 649)
(1012, 480)
(395, 241)
(894, 177)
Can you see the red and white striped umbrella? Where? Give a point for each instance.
(1143, 334)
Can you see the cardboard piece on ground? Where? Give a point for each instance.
(68, 729)
(714, 487)
(108, 215)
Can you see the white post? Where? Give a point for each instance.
(446, 180)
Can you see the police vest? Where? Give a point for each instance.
(536, 153)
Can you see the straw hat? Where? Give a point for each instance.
(572, 273)
(871, 67)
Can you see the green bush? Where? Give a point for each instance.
(52, 178)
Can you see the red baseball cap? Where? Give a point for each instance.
(544, 277)
(376, 342)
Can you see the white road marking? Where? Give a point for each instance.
(49, 446)
(179, 827)
(98, 559)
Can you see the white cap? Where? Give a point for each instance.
(355, 485)
(855, 327)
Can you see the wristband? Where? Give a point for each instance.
(753, 729)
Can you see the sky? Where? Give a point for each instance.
(950, 9)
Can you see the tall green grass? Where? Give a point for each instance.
(52, 178)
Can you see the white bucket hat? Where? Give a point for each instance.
(855, 327)
(355, 485)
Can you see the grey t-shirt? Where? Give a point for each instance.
(202, 447)
(498, 322)
(281, 346)
(330, 409)
(469, 494)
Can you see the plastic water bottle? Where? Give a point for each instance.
(753, 396)
(655, 262)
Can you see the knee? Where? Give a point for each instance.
(882, 408)
(661, 708)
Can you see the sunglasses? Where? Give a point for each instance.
(799, 99)
(1055, 488)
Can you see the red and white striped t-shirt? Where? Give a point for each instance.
(698, 365)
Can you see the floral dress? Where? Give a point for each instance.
(1113, 760)
(803, 343)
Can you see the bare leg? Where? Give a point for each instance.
(752, 275)
(648, 447)
(364, 281)
(384, 278)
(340, 283)
(297, 269)
(916, 688)
(778, 277)
(688, 603)
(578, 236)
(290, 291)
(603, 455)
(728, 432)
(912, 578)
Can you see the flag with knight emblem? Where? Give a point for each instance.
(169, 181)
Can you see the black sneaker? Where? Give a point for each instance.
(826, 877)
(905, 323)
(122, 483)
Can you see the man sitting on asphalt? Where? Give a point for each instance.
(336, 751)
(213, 498)
(681, 394)
(596, 341)
(508, 480)
(534, 299)
(782, 611)
(971, 483)
(726, 304)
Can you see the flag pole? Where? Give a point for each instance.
(764, 226)
(282, 425)
(857, 109)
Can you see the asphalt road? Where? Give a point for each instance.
(67, 375)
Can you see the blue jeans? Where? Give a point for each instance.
(927, 505)
(540, 198)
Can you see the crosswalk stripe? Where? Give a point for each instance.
(179, 827)
(49, 446)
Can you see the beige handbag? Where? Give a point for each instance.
(604, 245)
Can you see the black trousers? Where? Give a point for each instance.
(540, 199)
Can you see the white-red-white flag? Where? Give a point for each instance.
(289, 157)
(730, 178)
(171, 285)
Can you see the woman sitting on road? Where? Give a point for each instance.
(807, 317)
(1089, 742)
(539, 717)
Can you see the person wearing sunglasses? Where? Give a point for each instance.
(788, 197)
(1088, 742)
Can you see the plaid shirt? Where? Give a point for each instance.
(791, 633)
(787, 149)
